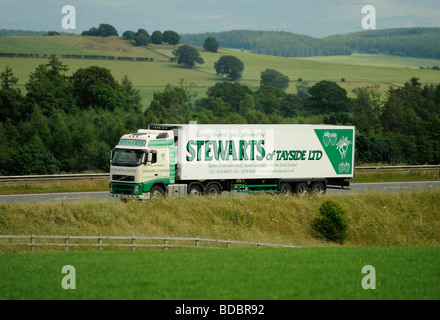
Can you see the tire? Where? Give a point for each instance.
(285, 189)
(301, 189)
(317, 188)
(195, 190)
(156, 192)
(213, 189)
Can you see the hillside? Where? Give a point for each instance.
(411, 42)
(356, 70)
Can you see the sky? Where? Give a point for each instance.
(316, 18)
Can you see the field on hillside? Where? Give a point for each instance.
(357, 70)
(226, 274)
(379, 60)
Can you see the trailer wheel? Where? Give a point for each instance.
(285, 189)
(157, 192)
(213, 189)
(301, 189)
(195, 190)
(317, 188)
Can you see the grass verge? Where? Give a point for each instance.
(407, 218)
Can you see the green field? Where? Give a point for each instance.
(231, 274)
(357, 70)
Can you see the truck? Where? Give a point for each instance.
(201, 159)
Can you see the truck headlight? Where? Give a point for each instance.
(136, 189)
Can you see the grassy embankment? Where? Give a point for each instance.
(375, 219)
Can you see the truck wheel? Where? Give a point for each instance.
(301, 189)
(285, 189)
(213, 189)
(195, 190)
(156, 192)
(317, 188)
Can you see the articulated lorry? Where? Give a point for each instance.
(197, 159)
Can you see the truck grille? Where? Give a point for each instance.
(123, 188)
(117, 177)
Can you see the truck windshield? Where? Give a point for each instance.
(127, 158)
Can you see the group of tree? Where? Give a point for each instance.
(61, 123)
(404, 127)
(140, 38)
(227, 65)
(103, 30)
(70, 123)
(143, 38)
(411, 42)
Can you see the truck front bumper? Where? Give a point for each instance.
(144, 196)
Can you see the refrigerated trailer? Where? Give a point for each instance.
(198, 159)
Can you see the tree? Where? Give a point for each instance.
(327, 97)
(49, 88)
(128, 35)
(171, 105)
(33, 158)
(11, 100)
(274, 78)
(94, 32)
(171, 37)
(132, 95)
(229, 66)
(84, 80)
(231, 93)
(188, 56)
(7, 78)
(157, 37)
(145, 33)
(211, 44)
(140, 40)
(107, 30)
(367, 109)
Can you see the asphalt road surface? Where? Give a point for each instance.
(355, 187)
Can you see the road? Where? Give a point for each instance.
(355, 187)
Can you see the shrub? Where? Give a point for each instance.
(332, 224)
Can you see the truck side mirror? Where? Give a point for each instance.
(149, 157)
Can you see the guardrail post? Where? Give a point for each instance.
(67, 242)
(165, 244)
(258, 244)
(133, 245)
(197, 241)
(32, 242)
(229, 243)
(100, 242)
